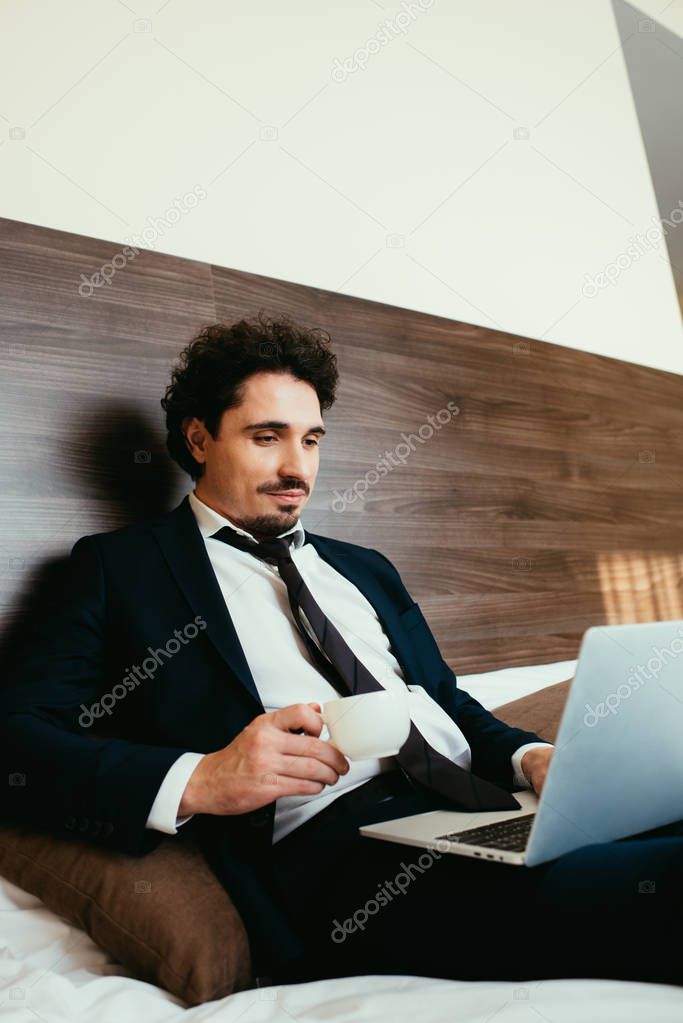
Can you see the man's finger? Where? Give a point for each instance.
(298, 716)
(309, 768)
(309, 746)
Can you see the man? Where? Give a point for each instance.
(190, 651)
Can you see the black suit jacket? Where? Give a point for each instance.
(124, 595)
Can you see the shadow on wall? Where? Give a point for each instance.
(111, 460)
(119, 461)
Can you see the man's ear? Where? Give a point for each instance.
(195, 433)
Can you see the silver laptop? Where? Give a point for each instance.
(617, 769)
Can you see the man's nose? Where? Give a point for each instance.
(294, 469)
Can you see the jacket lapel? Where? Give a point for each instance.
(183, 547)
(364, 577)
(185, 552)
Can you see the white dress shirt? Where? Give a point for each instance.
(256, 598)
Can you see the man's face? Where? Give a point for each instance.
(268, 444)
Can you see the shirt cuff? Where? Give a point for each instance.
(164, 813)
(520, 778)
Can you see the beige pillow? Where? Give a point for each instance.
(165, 916)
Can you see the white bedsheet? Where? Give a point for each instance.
(493, 688)
(53, 972)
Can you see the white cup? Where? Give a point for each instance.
(370, 725)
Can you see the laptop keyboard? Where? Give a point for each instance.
(512, 834)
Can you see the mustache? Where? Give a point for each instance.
(291, 486)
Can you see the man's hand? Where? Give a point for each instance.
(535, 763)
(265, 761)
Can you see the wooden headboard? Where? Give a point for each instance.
(525, 491)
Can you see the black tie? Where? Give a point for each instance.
(420, 761)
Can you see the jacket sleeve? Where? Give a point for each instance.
(491, 741)
(57, 775)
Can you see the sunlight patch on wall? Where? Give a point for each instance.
(641, 587)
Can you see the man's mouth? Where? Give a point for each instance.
(290, 496)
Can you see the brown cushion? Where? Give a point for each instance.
(165, 916)
(539, 712)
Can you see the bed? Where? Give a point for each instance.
(52, 971)
(549, 503)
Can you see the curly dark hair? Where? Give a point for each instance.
(210, 373)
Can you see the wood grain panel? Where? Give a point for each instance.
(550, 501)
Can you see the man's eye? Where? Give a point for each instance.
(273, 437)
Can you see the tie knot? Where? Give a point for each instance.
(276, 549)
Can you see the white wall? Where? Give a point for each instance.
(403, 182)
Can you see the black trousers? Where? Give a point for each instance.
(363, 905)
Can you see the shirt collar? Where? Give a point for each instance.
(209, 521)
